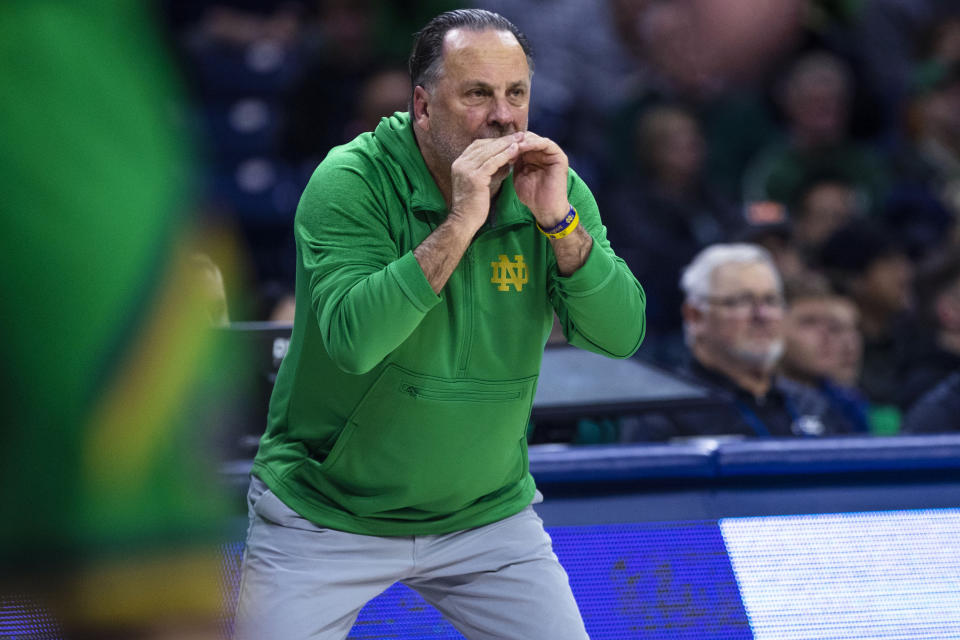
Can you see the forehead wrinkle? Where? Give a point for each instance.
(739, 277)
(475, 55)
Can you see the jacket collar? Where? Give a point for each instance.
(726, 385)
(395, 134)
(507, 209)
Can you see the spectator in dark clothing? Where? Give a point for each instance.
(660, 219)
(341, 51)
(815, 100)
(824, 348)
(768, 224)
(938, 411)
(900, 26)
(936, 116)
(865, 263)
(711, 57)
(825, 203)
(936, 352)
(733, 320)
(924, 203)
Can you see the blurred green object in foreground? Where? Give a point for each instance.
(109, 373)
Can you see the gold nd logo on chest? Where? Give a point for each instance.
(506, 273)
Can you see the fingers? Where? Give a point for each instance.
(533, 142)
(540, 178)
(490, 154)
(500, 160)
(483, 163)
(487, 156)
(484, 151)
(537, 149)
(481, 166)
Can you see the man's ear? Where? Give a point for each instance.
(421, 113)
(691, 313)
(948, 311)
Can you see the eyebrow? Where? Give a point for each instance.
(470, 84)
(748, 292)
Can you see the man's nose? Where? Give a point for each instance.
(765, 312)
(501, 112)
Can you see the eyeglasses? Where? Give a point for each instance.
(826, 324)
(744, 302)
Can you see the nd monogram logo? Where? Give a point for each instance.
(506, 273)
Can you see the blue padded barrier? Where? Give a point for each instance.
(838, 455)
(743, 458)
(596, 464)
(713, 460)
(605, 463)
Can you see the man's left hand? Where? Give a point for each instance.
(540, 179)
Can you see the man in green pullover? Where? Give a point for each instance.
(432, 254)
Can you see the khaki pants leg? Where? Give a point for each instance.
(501, 581)
(301, 581)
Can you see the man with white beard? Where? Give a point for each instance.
(733, 314)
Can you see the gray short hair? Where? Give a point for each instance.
(696, 278)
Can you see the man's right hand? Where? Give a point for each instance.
(477, 174)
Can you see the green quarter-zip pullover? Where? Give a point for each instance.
(400, 412)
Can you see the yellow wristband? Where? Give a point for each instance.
(565, 228)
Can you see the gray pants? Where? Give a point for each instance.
(299, 580)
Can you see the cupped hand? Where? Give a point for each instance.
(540, 179)
(481, 166)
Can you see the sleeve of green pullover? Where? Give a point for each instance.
(601, 306)
(367, 296)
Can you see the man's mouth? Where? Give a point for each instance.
(496, 132)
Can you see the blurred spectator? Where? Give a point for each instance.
(924, 205)
(768, 225)
(866, 264)
(823, 204)
(341, 50)
(240, 57)
(398, 20)
(824, 348)
(239, 24)
(890, 36)
(277, 85)
(382, 93)
(733, 318)
(660, 219)
(936, 349)
(277, 303)
(284, 312)
(814, 97)
(937, 410)
(711, 57)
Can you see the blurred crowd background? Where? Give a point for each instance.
(827, 131)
